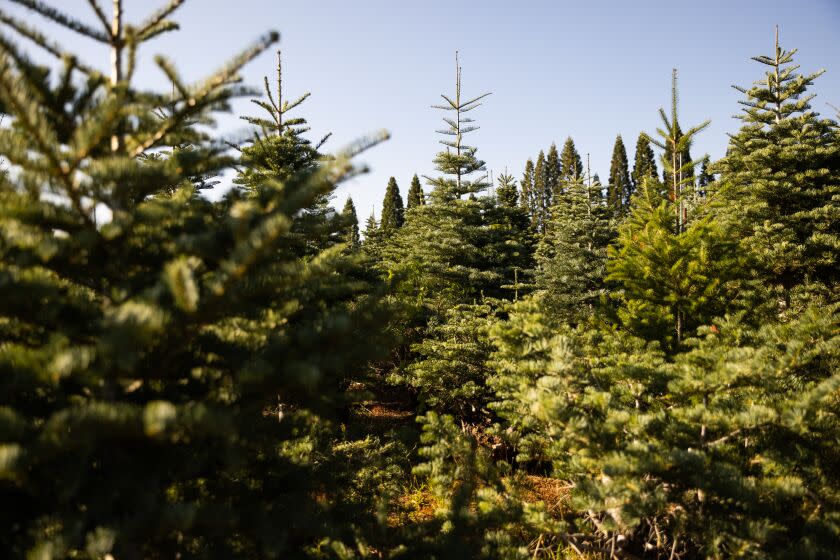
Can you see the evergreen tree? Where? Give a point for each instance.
(540, 186)
(528, 198)
(572, 255)
(779, 188)
(570, 163)
(415, 194)
(458, 161)
(705, 178)
(164, 390)
(553, 174)
(455, 250)
(677, 165)
(506, 192)
(351, 224)
(620, 187)
(644, 163)
(279, 152)
(392, 217)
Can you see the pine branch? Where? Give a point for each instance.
(221, 78)
(156, 18)
(100, 15)
(40, 40)
(62, 19)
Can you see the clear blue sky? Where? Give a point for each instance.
(556, 68)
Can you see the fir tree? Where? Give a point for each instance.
(677, 165)
(644, 162)
(143, 363)
(553, 174)
(572, 255)
(351, 224)
(458, 161)
(506, 192)
(705, 178)
(779, 186)
(620, 187)
(528, 198)
(392, 217)
(415, 194)
(540, 186)
(279, 152)
(570, 163)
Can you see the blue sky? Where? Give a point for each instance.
(589, 69)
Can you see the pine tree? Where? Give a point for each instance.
(570, 163)
(415, 194)
(553, 174)
(779, 186)
(540, 186)
(572, 255)
(351, 224)
(620, 187)
(506, 192)
(644, 163)
(279, 152)
(392, 217)
(677, 165)
(164, 389)
(705, 178)
(528, 198)
(458, 161)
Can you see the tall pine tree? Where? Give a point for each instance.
(415, 195)
(570, 163)
(779, 186)
(620, 186)
(392, 217)
(644, 162)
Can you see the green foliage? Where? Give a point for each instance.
(450, 371)
(644, 162)
(351, 225)
(164, 389)
(506, 192)
(572, 256)
(671, 280)
(779, 189)
(570, 164)
(415, 194)
(458, 161)
(392, 217)
(479, 516)
(619, 187)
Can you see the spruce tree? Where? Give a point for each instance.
(570, 163)
(677, 165)
(540, 186)
(553, 174)
(351, 224)
(506, 191)
(779, 186)
(280, 151)
(620, 186)
(164, 390)
(392, 217)
(528, 198)
(449, 253)
(669, 260)
(415, 194)
(572, 255)
(644, 162)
